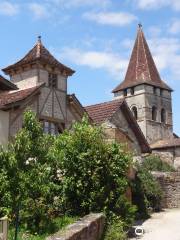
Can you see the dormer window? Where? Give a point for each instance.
(52, 80)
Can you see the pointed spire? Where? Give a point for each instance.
(39, 54)
(39, 44)
(142, 68)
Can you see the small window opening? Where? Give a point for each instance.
(163, 115)
(154, 90)
(135, 112)
(125, 92)
(52, 80)
(154, 113)
(132, 91)
(51, 128)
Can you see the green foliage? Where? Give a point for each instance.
(74, 173)
(115, 231)
(154, 163)
(93, 172)
(147, 191)
(56, 225)
(28, 179)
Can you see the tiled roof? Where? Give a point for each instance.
(142, 68)
(103, 111)
(165, 143)
(9, 97)
(6, 84)
(99, 113)
(39, 54)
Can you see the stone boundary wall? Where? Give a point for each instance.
(170, 183)
(90, 227)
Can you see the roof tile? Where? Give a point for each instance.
(141, 69)
(9, 97)
(103, 111)
(41, 54)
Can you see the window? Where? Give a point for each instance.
(51, 128)
(52, 80)
(132, 91)
(125, 92)
(135, 113)
(154, 113)
(163, 115)
(154, 90)
(161, 92)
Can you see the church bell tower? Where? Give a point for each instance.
(146, 94)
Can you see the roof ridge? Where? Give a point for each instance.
(115, 100)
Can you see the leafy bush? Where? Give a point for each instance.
(75, 173)
(28, 183)
(115, 231)
(94, 173)
(154, 163)
(146, 189)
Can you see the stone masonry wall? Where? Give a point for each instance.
(170, 183)
(90, 227)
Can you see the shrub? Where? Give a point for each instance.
(93, 172)
(154, 163)
(29, 184)
(146, 189)
(115, 231)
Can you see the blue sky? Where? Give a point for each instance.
(95, 38)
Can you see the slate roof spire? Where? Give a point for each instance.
(39, 54)
(141, 68)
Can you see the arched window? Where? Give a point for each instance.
(163, 115)
(154, 113)
(135, 112)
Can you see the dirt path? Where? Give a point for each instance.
(162, 226)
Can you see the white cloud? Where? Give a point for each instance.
(39, 10)
(155, 4)
(8, 9)
(166, 52)
(81, 3)
(174, 27)
(110, 18)
(108, 61)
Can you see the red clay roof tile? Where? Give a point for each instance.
(103, 111)
(9, 97)
(141, 69)
(39, 54)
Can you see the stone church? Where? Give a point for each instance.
(140, 114)
(149, 99)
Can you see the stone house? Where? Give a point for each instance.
(37, 82)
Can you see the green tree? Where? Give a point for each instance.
(29, 179)
(93, 172)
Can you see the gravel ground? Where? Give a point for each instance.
(162, 226)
